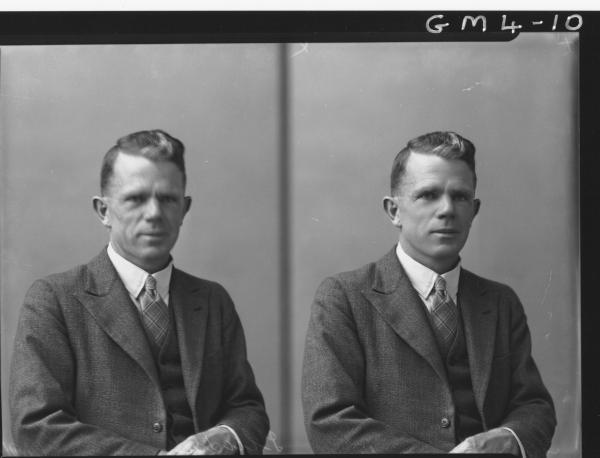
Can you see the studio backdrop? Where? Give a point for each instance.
(289, 149)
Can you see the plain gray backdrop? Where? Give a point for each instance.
(351, 108)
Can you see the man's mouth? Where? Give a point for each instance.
(446, 231)
(154, 234)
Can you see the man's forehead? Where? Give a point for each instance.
(129, 164)
(429, 167)
(125, 160)
(418, 160)
(431, 180)
(133, 172)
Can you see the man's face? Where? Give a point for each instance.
(434, 209)
(143, 208)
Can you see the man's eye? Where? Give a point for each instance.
(135, 199)
(428, 195)
(462, 197)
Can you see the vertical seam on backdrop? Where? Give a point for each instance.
(284, 241)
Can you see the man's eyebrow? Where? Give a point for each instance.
(133, 191)
(167, 193)
(462, 189)
(425, 187)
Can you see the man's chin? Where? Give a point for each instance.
(447, 252)
(155, 256)
(152, 253)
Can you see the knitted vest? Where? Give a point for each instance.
(180, 424)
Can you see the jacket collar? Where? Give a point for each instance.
(189, 299)
(107, 300)
(399, 304)
(479, 307)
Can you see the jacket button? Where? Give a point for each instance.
(157, 427)
(445, 422)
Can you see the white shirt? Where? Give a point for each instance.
(134, 279)
(423, 279)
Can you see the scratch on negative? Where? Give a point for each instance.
(470, 88)
(547, 288)
(303, 49)
(565, 42)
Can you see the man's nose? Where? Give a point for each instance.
(446, 207)
(153, 209)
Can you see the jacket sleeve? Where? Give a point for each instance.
(244, 408)
(336, 415)
(44, 419)
(530, 411)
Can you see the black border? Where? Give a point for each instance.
(147, 27)
(589, 102)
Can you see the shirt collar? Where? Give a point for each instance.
(423, 278)
(134, 277)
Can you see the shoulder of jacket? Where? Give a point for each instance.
(488, 285)
(68, 279)
(354, 279)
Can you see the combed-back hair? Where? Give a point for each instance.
(156, 145)
(448, 145)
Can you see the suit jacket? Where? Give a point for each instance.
(83, 379)
(374, 381)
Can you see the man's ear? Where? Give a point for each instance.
(101, 209)
(391, 208)
(187, 203)
(476, 206)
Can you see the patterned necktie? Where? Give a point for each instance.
(444, 316)
(155, 314)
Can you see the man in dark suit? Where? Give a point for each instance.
(413, 353)
(128, 355)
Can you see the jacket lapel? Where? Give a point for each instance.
(399, 304)
(191, 315)
(107, 300)
(480, 314)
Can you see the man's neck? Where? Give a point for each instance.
(440, 266)
(149, 267)
(134, 277)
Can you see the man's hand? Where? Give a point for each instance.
(497, 440)
(213, 441)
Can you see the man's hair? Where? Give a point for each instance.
(448, 145)
(156, 145)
